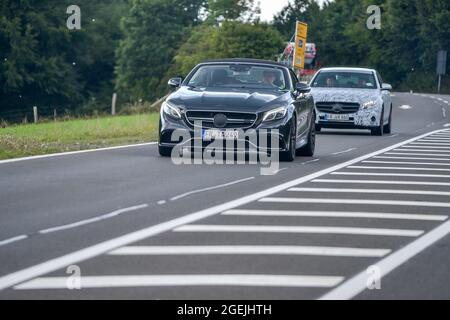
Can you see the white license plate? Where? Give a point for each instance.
(337, 117)
(209, 135)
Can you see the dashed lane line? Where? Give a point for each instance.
(12, 240)
(93, 220)
(345, 151)
(190, 193)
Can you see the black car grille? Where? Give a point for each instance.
(234, 120)
(338, 107)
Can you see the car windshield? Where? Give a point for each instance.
(239, 76)
(358, 80)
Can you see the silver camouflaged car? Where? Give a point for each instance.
(352, 98)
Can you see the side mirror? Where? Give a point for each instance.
(302, 88)
(175, 83)
(386, 86)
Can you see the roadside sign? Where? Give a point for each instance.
(301, 36)
(442, 63)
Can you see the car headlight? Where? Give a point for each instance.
(369, 104)
(171, 110)
(275, 114)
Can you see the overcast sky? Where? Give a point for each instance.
(271, 7)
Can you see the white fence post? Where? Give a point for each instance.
(113, 105)
(35, 114)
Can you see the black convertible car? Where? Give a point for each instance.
(232, 95)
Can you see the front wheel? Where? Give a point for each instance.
(388, 127)
(318, 128)
(309, 149)
(165, 151)
(289, 156)
(378, 131)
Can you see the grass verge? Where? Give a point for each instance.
(74, 135)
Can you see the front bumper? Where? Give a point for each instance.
(256, 139)
(363, 119)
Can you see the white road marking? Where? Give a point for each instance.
(354, 286)
(12, 240)
(370, 191)
(447, 124)
(398, 168)
(101, 248)
(365, 174)
(413, 158)
(359, 201)
(250, 250)
(421, 143)
(410, 183)
(186, 281)
(334, 214)
(342, 152)
(93, 220)
(439, 136)
(416, 154)
(444, 112)
(435, 139)
(184, 195)
(426, 146)
(311, 161)
(407, 162)
(76, 152)
(161, 202)
(405, 107)
(299, 229)
(417, 149)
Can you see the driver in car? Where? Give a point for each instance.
(269, 78)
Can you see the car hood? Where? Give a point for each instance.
(229, 99)
(360, 96)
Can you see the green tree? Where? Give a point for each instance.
(299, 10)
(153, 29)
(232, 9)
(43, 63)
(231, 40)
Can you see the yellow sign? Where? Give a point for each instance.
(301, 36)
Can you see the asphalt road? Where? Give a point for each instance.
(139, 227)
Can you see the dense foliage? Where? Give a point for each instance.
(133, 46)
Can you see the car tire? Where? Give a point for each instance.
(289, 156)
(165, 152)
(309, 149)
(388, 128)
(378, 131)
(318, 128)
